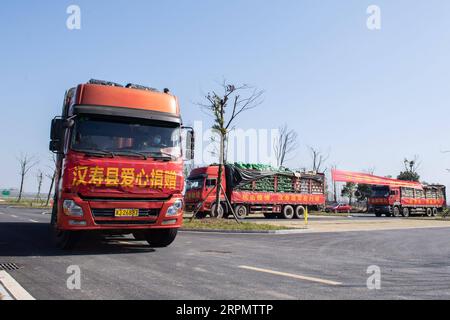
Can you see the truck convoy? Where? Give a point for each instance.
(254, 189)
(119, 167)
(396, 198)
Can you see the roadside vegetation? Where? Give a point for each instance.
(25, 203)
(221, 224)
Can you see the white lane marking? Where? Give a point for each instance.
(294, 276)
(34, 221)
(1, 213)
(13, 287)
(14, 216)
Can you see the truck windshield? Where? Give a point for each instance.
(195, 183)
(129, 138)
(380, 192)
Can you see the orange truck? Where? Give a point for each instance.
(119, 167)
(270, 192)
(392, 197)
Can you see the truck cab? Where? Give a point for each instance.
(119, 163)
(383, 199)
(200, 189)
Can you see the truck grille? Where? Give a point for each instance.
(110, 213)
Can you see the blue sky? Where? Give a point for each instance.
(370, 98)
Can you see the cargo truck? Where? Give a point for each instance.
(119, 163)
(392, 197)
(274, 193)
(402, 201)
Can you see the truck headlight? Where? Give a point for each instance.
(70, 208)
(174, 209)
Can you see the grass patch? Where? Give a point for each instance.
(25, 203)
(221, 224)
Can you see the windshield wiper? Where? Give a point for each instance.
(92, 152)
(162, 155)
(131, 153)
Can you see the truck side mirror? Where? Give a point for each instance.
(56, 135)
(190, 143)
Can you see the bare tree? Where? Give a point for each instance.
(51, 177)
(26, 163)
(285, 145)
(233, 100)
(318, 159)
(40, 179)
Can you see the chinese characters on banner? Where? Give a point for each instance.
(124, 177)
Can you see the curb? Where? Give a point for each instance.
(289, 231)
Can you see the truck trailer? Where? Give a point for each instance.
(119, 167)
(253, 189)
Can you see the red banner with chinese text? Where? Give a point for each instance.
(364, 178)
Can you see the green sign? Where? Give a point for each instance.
(6, 193)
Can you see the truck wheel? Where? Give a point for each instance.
(396, 212)
(214, 214)
(241, 211)
(54, 215)
(435, 212)
(299, 212)
(160, 238)
(405, 212)
(429, 212)
(65, 240)
(288, 212)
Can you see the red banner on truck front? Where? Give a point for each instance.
(364, 178)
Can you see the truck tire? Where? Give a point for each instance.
(288, 212)
(429, 212)
(160, 238)
(241, 211)
(434, 212)
(299, 212)
(54, 214)
(405, 212)
(396, 212)
(65, 240)
(214, 214)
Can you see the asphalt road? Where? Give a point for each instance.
(414, 264)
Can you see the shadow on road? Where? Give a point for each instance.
(34, 239)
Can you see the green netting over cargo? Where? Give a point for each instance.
(261, 178)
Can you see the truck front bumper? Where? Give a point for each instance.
(100, 215)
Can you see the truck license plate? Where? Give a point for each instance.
(127, 213)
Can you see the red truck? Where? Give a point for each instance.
(402, 201)
(272, 193)
(393, 197)
(119, 163)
